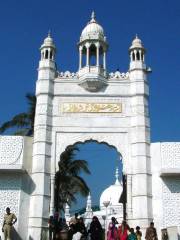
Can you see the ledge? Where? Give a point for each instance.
(170, 172)
(16, 168)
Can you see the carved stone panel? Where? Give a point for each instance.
(9, 194)
(11, 149)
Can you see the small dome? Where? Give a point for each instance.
(92, 30)
(48, 42)
(137, 43)
(112, 193)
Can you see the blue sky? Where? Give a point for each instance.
(24, 24)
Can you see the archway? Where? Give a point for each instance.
(103, 160)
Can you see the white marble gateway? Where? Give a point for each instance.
(90, 104)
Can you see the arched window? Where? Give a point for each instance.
(46, 54)
(51, 55)
(133, 56)
(92, 55)
(138, 56)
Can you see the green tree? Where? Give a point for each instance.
(68, 182)
(23, 122)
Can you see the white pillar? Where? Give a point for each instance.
(135, 53)
(140, 149)
(131, 56)
(140, 55)
(52, 195)
(87, 56)
(104, 60)
(97, 55)
(80, 57)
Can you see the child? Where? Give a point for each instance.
(138, 233)
(132, 235)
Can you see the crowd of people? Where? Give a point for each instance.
(76, 230)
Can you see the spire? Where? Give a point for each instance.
(49, 33)
(89, 203)
(67, 211)
(117, 176)
(93, 17)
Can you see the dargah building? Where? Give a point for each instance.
(91, 104)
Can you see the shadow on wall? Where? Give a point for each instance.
(29, 185)
(15, 235)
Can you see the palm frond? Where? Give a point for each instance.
(22, 132)
(78, 166)
(20, 120)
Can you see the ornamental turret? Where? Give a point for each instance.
(137, 55)
(48, 49)
(93, 47)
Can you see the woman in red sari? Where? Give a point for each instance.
(123, 231)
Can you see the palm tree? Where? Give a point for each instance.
(68, 182)
(23, 121)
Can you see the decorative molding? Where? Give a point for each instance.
(91, 107)
(118, 75)
(112, 75)
(117, 140)
(11, 149)
(67, 74)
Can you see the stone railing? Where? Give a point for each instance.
(113, 75)
(15, 152)
(67, 74)
(118, 75)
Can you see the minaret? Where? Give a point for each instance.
(41, 163)
(138, 184)
(89, 204)
(67, 213)
(117, 182)
(137, 55)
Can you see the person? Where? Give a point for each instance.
(9, 220)
(123, 231)
(112, 233)
(138, 233)
(151, 233)
(51, 227)
(95, 229)
(82, 229)
(132, 235)
(56, 225)
(74, 219)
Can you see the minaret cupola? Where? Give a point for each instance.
(93, 47)
(137, 54)
(48, 49)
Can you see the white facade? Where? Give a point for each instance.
(91, 104)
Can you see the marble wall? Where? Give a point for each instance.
(15, 180)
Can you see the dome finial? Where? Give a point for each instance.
(136, 36)
(93, 15)
(49, 33)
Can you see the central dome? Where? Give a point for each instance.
(92, 30)
(112, 193)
